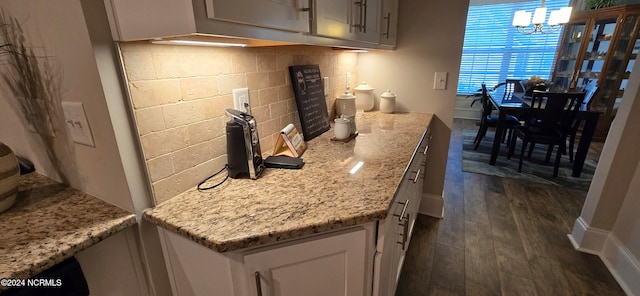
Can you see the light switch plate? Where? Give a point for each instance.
(440, 80)
(241, 100)
(77, 124)
(325, 81)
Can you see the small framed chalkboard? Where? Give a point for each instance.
(312, 107)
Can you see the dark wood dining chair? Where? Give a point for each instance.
(514, 85)
(487, 120)
(548, 121)
(590, 91)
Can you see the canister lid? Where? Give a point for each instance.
(346, 96)
(388, 95)
(364, 87)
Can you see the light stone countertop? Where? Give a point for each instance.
(51, 222)
(284, 204)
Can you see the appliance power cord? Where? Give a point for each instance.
(200, 188)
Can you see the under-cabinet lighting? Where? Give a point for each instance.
(197, 43)
(356, 167)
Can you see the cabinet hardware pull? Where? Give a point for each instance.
(303, 9)
(415, 180)
(405, 237)
(405, 233)
(258, 285)
(359, 26)
(388, 18)
(363, 20)
(404, 203)
(404, 210)
(425, 150)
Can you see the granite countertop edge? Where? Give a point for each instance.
(270, 237)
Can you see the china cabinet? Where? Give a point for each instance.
(599, 47)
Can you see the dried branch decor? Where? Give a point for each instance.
(34, 82)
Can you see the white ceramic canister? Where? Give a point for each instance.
(341, 128)
(346, 105)
(387, 102)
(9, 177)
(364, 92)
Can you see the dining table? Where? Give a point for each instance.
(507, 102)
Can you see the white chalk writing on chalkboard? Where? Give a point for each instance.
(309, 92)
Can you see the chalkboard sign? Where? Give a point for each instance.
(312, 107)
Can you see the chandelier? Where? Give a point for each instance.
(522, 19)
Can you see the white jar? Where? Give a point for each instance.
(364, 92)
(341, 128)
(346, 105)
(387, 102)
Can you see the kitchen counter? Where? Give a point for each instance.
(51, 222)
(322, 196)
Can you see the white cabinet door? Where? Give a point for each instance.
(335, 265)
(291, 15)
(389, 22)
(347, 19)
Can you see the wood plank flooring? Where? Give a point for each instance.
(500, 236)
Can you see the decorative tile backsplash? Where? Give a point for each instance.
(180, 93)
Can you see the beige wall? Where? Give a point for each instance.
(180, 93)
(430, 40)
(58, 30)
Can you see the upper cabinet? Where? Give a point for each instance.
(339, 23)
(599, 47)
(389, 23)
(352, 19)
(291, 15)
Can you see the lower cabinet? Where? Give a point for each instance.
(336, 263)
(395, 231)
(361, 260)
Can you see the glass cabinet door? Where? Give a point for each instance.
(568, 56)
(596, 52)
(623, 57)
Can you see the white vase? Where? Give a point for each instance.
(9, 177)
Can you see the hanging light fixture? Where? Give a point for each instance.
(522, 19)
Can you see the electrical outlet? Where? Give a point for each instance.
(241, 100)
(77, 124)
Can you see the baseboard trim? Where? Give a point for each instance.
(622, 264)
(624, 267)
(587, 239)
(432, 205)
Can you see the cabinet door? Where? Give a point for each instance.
(389, 23)
(622, 58)
(367, 20)
(333, 18)
(291, 15)
(334, 265)
(568, 56)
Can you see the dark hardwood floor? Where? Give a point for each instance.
(500, 236)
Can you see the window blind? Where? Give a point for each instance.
(493, 51)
